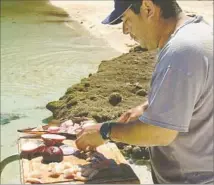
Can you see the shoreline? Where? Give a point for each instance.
(40, 59)
(90, 14)
(87, 14)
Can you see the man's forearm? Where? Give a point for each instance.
(141, 134)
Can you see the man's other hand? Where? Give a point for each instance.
(133, 114)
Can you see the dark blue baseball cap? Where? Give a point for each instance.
(120, 6)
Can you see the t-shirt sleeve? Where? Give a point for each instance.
(175, 89)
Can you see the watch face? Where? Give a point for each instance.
(104, 131)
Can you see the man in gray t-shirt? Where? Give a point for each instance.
(177, 121)
(181, 99)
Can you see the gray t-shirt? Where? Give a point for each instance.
(181, 98)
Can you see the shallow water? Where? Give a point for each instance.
(43, 53)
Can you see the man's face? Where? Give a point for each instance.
(141, 28)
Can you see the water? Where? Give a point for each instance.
(43, 53)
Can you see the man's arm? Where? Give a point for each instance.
(141, 134)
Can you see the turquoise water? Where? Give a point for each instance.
(41, 56)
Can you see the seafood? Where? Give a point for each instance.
(52, 154)
(52, 139)
(55, 169)
(68, 150)
(74, 128)
(34, 180)
(67, 165)
(29, 146)
(35, 174)
(70, 173)
(51, 166)
(67, 124)
(87, 123)
(78, 176)
(53, 129)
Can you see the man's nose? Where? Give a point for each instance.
(125, 29)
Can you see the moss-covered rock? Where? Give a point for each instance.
(115, 98)
(141, 92)
(118, 85)
(54, 105)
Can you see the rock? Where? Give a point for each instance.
(101, 117)
(121, 145)
(142, 162)
(115, 98)
(87, 84)
(71, 103)
(145, 153)
(138, 85)
(93, 98)
(128, 149)
(136, 152)
(141, 92)
(130, 161)
(52, 106)
(119, 75)
(70, 90)
(82, 114)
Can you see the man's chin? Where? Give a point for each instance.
(149, 48)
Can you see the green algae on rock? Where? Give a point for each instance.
(118, 85)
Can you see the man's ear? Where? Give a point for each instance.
(148, 8)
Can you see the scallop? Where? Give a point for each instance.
(34, 180)
(69, 173)
(35, 174)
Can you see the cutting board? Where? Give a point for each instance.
(121, 174)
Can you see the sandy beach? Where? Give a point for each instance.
(91, 13)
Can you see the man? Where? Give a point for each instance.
(177, 121)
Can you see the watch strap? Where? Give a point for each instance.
(105, 130)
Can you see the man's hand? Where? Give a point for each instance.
(89, 138)
(133, 114)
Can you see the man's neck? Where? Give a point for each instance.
(170, 26)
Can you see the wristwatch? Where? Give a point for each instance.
(105, 130)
